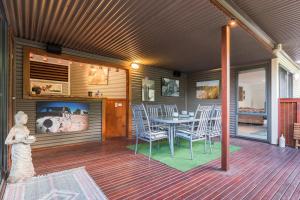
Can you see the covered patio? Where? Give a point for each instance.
(150, 99)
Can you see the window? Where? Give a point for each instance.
(285, 84)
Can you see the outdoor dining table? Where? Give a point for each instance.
(172, 123)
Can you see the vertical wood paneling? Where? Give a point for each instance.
(29, 107)
(288, 115)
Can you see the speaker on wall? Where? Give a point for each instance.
(176, 73)
(53, 48)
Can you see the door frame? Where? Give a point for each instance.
(267, 68)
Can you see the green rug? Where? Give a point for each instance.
(181, 160)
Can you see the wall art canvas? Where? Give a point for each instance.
(170, 87)
(61, 117)
(208, 89)
(98, 75)
(148, 90)
(46, 88)
(242, 95)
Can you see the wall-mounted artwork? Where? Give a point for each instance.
(61, 117)
(98, 75)
(170, 87)
(39, 87)
(208, 89)
(148, 90)
(242, 94)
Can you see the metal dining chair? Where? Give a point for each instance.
(155, 111)
(143, 128)
(215, 127)
(199, 132)
(170, 109)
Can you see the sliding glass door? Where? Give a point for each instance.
(252, 104)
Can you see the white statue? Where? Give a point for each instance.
(22, 167)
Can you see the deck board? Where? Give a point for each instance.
(257, 171)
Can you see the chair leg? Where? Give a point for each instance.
(210, 144)
(136, 144)
(150, 151)
(191, 149)
(205, 144)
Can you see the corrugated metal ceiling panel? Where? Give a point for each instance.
(177, 34)
(278, 18)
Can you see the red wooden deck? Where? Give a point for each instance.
(258, 171)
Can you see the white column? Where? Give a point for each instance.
(274, 100)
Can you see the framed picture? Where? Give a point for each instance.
(208, 89)
(98, 75)
(61, 117)
(169, 87)
(45, 87)
(148, 90)
(242, 94)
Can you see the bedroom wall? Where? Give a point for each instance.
(254, 96)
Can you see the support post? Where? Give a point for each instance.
(225, 62)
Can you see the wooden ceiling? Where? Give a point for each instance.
(280, 19)
(176, 34)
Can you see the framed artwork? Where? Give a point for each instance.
(148, 90)
(98, 75)
(45, 87)
(242, 94)
(208, 89)
(169, 87)
(61, 117)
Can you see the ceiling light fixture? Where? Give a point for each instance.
(134, 66)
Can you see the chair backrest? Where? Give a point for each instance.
(141, 120)
(170, 109)
(202, 122)
(216, 123)
(154, 111)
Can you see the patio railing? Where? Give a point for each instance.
(288, 114)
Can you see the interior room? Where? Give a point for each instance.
(149, 99)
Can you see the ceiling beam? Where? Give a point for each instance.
(233, 11)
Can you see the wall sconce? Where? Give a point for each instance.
(134, 66)
(296, 76)
(232, 23)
